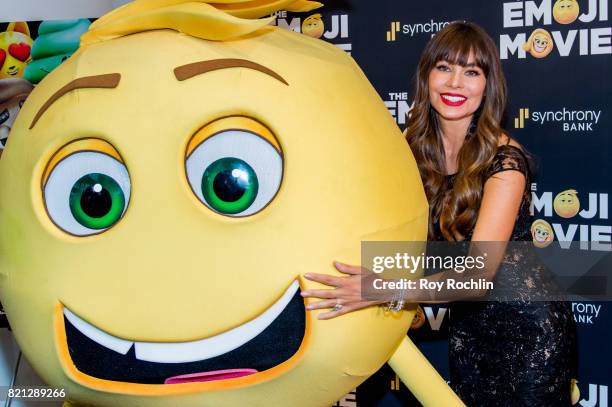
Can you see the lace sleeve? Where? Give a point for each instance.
(509, 158)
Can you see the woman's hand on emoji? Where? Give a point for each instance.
(344, 297)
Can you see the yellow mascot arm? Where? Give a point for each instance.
(421, 378)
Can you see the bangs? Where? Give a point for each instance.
(457, 43)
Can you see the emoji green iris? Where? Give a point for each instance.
(229, 185)
(97, 201)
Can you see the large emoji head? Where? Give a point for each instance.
(539, 44)
(164, 191)
(566, 204)
(566, 11)
(15, 48)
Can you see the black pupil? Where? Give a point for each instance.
(96, 204)
(227, 187)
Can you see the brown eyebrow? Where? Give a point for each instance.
(187, 71)
(106, 81)
(470, 65)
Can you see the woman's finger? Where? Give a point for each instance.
(348, 269)
(333, 314)
(346, 308)
(320, 293)
(323, 304)
(325, 279)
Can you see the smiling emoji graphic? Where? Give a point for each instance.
(539, 44)
(542, 233)
(163, 194)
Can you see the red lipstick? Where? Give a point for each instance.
(452, 99)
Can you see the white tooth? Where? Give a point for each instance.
(454, 98)
(187, 351)
(108, 341)
(216, 345)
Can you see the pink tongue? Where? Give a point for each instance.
(209, 376)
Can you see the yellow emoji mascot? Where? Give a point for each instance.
(166, 188)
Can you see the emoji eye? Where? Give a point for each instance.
(87, 192)
(20, 51)
(235, 172)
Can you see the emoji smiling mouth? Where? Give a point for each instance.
(539, 48)
(253, 347)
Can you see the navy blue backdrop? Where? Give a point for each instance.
(557, 109)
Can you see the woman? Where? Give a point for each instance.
(475, 179)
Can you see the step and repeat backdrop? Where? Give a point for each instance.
(557, 57)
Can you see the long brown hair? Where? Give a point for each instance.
(456, 210)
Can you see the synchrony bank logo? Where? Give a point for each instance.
(576, 28)
(585, 312)
(567, 119)
(334, 27)
(397, 29)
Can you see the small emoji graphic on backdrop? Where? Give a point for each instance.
(566, 204)
(566, 11)
(313, 26)
(542, 233)
(539, 44)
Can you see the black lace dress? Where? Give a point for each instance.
(513, 353)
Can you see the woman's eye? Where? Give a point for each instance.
(87, 192)
(472, 72)
(443, 68)
(235, 172)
